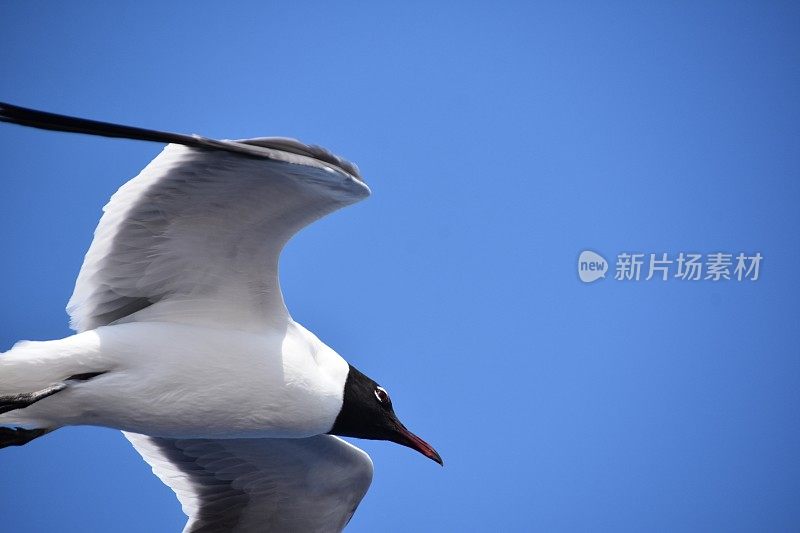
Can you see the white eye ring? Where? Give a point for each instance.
(385, 395)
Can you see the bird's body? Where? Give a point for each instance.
(181, 381)
(185, 344)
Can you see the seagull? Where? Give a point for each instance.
(184, 343)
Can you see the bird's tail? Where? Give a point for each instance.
(32, 377)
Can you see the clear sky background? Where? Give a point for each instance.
(500, 141)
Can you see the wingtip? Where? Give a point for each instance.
(11, 113)
(34, 118)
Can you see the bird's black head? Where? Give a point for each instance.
(367, 413)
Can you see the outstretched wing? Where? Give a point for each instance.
(255, 485)
(196, 238)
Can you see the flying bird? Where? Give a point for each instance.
(184, 343)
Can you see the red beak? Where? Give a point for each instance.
(406, 438)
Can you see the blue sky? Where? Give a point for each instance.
(500, 141)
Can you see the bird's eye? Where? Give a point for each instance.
(382, 396)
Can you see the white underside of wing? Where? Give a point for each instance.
(196, 237)
(257, 485)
